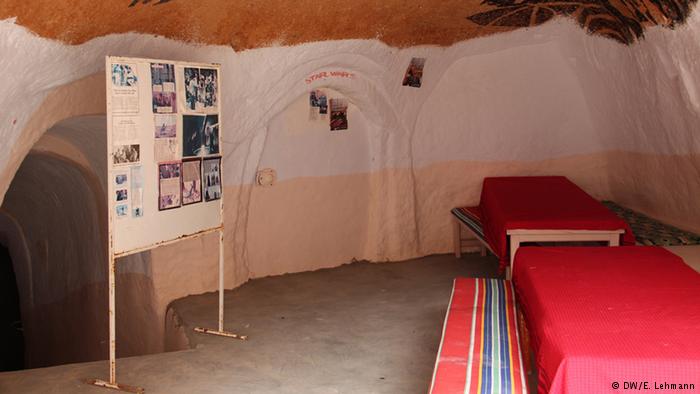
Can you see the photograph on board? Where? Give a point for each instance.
(163, 87)
(192, 130)
(191, 87)
(126, 154)
(120, 179)
(209, 79)
(136, 192)
(200, 135)
(210, 136)
(191, 181)
(123, 75)
(165, 125)
(212, 178)
(169, 175)
(122, 195)
(122, 210)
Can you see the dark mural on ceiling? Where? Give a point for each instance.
(621, 20)
(135, 2)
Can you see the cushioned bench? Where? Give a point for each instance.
(480, 349)
(468, 218)
(651, 232)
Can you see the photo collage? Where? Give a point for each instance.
(186, 161)
(186, 139)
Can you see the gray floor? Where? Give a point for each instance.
(359, 328)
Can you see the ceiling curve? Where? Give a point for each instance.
(246, 24)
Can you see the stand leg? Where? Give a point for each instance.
(112, 384)
(221, 331)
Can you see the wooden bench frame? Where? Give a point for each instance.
(518, 236)
(474, 242)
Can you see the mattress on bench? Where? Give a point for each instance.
(479, 351)
(649, 231)
(599, 316)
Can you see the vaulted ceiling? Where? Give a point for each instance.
(245, 24)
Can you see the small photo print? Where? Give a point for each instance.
(322, 102)
(120, 179)
(200, 135)
(211, 83)
(126, 154)
(169, 177)
(201, 89)
(191, 181)
(122, 195)
(122, 210)
(163, 86)
(192, 130)
(165, 126)
(123, 75)
(212, 179)
(414, 72)
(210, 136)
(191, 88)
(339, 114)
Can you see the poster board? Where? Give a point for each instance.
(163, 151)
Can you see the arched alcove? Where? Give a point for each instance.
(317, 213)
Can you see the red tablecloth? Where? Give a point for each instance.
(602, 316)
(552, 202)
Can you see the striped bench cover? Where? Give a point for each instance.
(480, 351)
(471, 217)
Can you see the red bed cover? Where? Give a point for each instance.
(601, 318)
(544, 202)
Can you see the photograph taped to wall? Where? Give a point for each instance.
(191, 181)
(163, 87)
(165, 125)
(169, 178)
(339, 114)
(124, 89)
(126, 154)
(322, 102)
(414, 73)
(136, 192)
(212, 178)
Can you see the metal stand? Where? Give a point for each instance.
(112, 383)
(221, 332)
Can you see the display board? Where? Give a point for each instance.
(164, 151)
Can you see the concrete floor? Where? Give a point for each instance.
(359, 328)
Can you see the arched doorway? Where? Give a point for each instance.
(11, 333)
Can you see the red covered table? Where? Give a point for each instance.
(600, 317)
(544, 209)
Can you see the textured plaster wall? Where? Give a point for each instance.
(621, 121)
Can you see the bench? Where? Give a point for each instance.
(468, 218)
(480, 349)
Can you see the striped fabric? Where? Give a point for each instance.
(480, 352)
(471, 217)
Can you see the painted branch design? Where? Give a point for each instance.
(621, 20)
